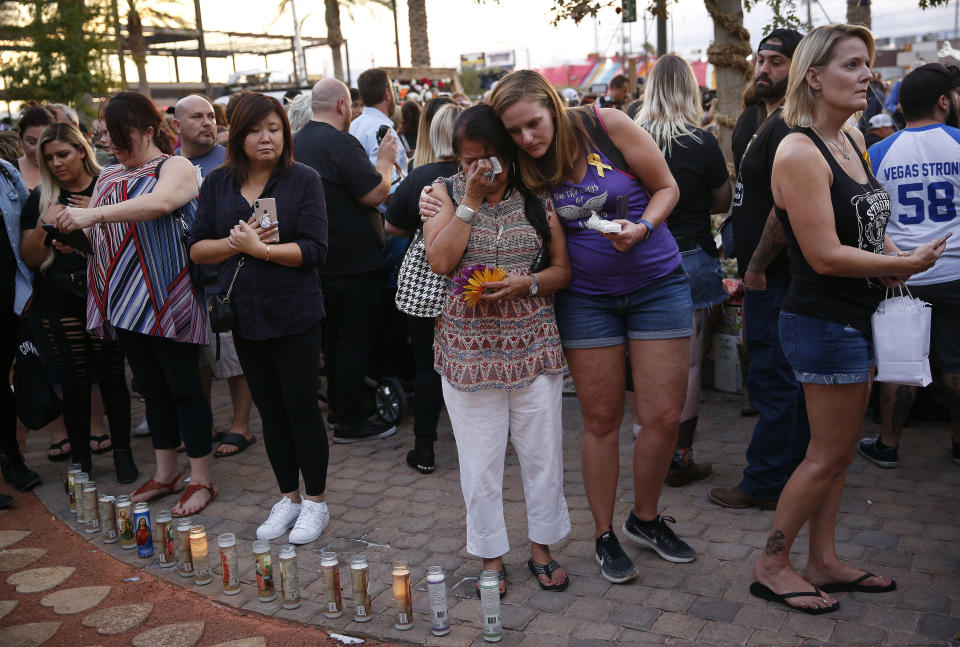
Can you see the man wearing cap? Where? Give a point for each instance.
(879, 128)
(920, 169)
(781, 434)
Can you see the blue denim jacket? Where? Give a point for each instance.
(13, 195)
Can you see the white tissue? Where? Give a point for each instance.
(597, 223)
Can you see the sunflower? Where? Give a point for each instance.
(470, 280)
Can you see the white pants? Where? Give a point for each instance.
(531, 417)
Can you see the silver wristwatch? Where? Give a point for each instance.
(465, 213)
(534, 286)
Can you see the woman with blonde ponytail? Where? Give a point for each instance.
(68, 173)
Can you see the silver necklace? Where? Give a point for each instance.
(845, 155)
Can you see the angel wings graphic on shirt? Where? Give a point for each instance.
(573, 212)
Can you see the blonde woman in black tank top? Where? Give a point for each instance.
(833, 214)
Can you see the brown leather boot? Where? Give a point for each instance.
(693, 471)
(734, 497)
(683, 468)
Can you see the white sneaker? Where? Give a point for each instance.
(283, 515)
(142, 429)
(313, 518)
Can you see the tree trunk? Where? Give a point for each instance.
(858, 15)
(334, 36)
(728, 54)
(419, 43)
(138, 48)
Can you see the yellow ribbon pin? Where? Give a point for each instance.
(594, 160)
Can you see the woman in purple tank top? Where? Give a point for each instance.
(628, 292)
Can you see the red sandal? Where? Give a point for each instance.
(162, 489)
(193, 489)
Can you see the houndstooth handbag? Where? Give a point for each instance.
(420, 290)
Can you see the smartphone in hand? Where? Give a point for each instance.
(76, 239)
(265, 210)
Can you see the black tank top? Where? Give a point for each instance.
(860, 213)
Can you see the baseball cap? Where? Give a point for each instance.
(926, 83)
(789, 37)
(881, 120)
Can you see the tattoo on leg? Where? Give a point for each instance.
(775, 543)
(902, 401)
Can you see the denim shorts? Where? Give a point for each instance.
(660, 310)
(825, 352)
(706, 278)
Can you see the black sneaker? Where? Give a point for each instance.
(657, 535)
(885, 457)
(5, 501)
(366, 430)
(16, 472)
(615, 566)
(955, 452)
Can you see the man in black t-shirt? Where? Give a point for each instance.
(352, 277)
(782, 432)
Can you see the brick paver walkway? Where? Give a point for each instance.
(903, 523)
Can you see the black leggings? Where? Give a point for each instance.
(81, 357)
(429, 395)
(167, 374)
(282, 374)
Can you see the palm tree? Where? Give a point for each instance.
(419, 43)
(858, 13)
(728, 54)
(137, 10)
(332, 19)
(334, 35)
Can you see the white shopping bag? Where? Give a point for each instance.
(901, 339)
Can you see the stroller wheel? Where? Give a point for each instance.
(391, 400)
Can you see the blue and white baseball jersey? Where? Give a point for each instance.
(920, 169)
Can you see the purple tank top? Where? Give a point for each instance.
(598, 268)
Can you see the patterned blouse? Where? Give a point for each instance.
(497, 345)
(138, 273)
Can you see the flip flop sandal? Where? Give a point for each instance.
(765, 593)
(236, 440)
(64, 455)
(502, 574)
(100, 440)
(162, 489)
(548, 570)
(856, 586)
(193, 489)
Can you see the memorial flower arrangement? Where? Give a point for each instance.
(469, 281)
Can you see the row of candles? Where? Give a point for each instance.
(185, 546)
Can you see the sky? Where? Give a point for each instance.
(463, 26)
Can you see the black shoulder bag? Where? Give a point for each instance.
(223, 315)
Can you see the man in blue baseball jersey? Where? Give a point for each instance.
(920, 169)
